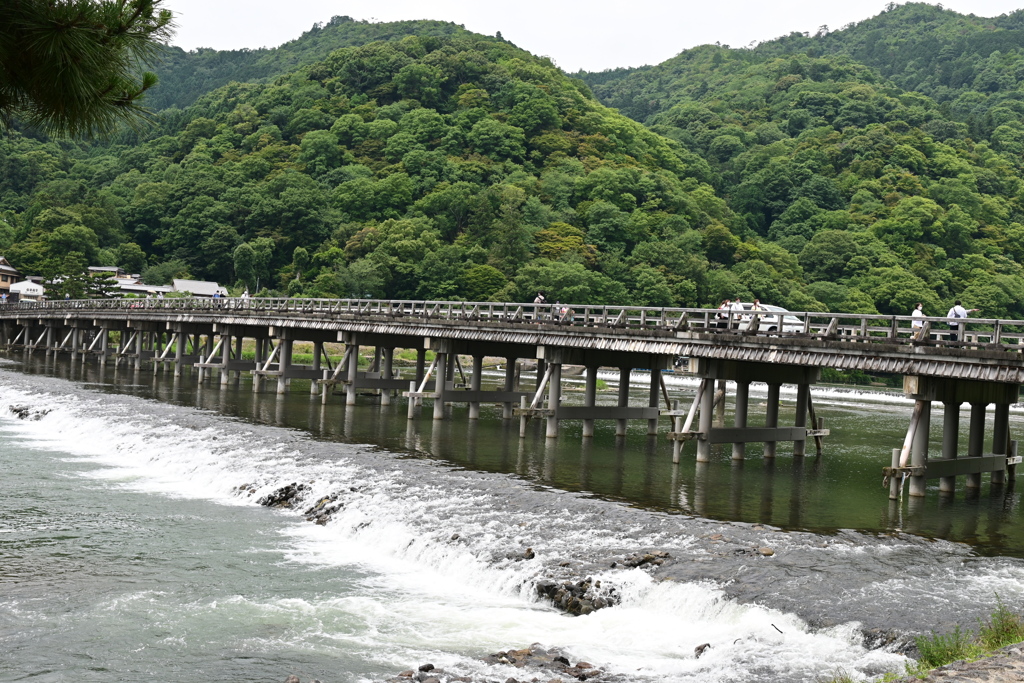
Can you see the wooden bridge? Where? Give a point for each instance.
(982, 366)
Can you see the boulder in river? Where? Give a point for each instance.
(655, 558)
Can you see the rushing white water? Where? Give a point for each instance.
(426, 552)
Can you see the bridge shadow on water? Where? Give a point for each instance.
(841, 489)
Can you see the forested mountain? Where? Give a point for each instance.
(858, 170)
(185, 76)
(884, 195)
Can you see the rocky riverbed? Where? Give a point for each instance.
(531, 664)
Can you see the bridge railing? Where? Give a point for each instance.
(850, 327)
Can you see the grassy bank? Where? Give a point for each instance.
(1004, 627)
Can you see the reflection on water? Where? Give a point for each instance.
(841, 489)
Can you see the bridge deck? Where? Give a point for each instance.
(990, 350)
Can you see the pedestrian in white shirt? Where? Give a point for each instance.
(956, 313)
(917, 322)
(737, 311)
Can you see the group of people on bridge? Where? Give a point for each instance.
(956, 312)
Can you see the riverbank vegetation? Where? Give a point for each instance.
(858, 170)
(1004, 627)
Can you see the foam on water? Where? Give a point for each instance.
(425, 592)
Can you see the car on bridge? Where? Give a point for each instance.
(772, 318)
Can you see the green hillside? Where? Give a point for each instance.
(885, 196)
(422, 167)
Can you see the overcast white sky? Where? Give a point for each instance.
(597, 35)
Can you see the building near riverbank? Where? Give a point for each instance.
(9, 275)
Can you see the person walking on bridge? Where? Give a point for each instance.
(723, 314)
(957, 312)
(738, 309)
(917, 321)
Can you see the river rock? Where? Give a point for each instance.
(284, 496)
(578, 598)
(535, 663)
(655, 558)
(27, 412)
(247, 489)
(322, 511)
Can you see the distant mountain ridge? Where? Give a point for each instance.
(917, 46)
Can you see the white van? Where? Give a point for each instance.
(770, 319)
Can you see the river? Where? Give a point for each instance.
(132, 546)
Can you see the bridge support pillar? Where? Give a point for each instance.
(653, 400)
(421, 365)
(474, 385)
(104, 343)
(894, 482)
(976, 440)
(620, 424)
(225, 357)
(179, 352)
(75, 342)
(554, 399)
(207, 355)
(284, 365)
(139, 341)
(919, 449)
(771, 418)
(387, 372)
(590, 398)
(511, 365)
(258, 355)
(122, 344)
(50, 341)
(440, 383)
(318, 350)
(353, 373)
(449, 377)
(950, 441)
(803, 392)
(720, 403)
(203, 351)
(739, 448)
(239, 339)
(705, 421)
(1000, 438)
